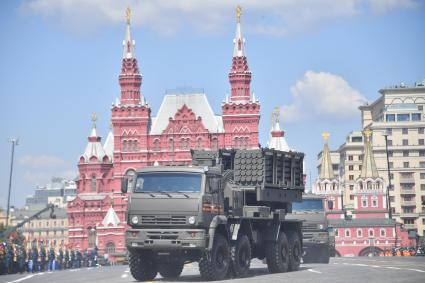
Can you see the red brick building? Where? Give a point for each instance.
(138, 139)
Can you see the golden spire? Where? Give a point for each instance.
(128, 15)
(94, 118)
(238, 13)
(325, 136)
(367, 133)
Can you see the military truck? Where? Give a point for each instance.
(228, 207)
(318, 243)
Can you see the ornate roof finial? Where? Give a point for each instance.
(94, 119)
(367, 133)
(325, 136)
(238, 13)
(128, 15)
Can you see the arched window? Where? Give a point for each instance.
(364, 201)
(370, 232)
(236, 142)
(383, 232)
(93, 183)
(156, 145)
(131, 176)
(369, 185)
(135, 145)
(171, 145)
(359, 233)
(347, 232)
(110, 248)
(92, 235)
(214, 143)
(185, 143)
(374, 201)
(199, 143)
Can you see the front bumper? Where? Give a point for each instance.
(166, 239)
(315, 238)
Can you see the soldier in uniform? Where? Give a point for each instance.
(66, 262)
(21, 259)
(35, 266)
(9, 258)
(60, 257)
(79, 258)
(72, 265)
(2, 259)
(29, 260)
(42, 257)
(51, 258)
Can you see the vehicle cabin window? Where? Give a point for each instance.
(168, 182)
(308, 204)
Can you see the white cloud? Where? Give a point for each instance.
(37, 161)
(39, 169)
(276, 17)
(321, 96)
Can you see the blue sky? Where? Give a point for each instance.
(318, 60)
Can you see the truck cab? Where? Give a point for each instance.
(317, 242)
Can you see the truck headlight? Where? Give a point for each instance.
(320, 226)
(191, 220)
(134, 219)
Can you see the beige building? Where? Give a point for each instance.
(43, 228)
(399, 112)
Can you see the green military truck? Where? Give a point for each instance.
(228, 207)
(318, 243)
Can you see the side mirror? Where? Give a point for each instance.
(124, 185)
(214, 184)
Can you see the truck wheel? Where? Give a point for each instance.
(141, 268)
(241, 257)
(171, 270)
(214, 265)
(295, 251)
(277, 254)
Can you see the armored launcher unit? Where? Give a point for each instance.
(225, 209)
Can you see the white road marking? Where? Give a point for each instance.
(127, 271)
(125, 275)
(21, 279)
(418, 270)
(314, 271)
(392, 267)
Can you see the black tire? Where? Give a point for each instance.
(171, 270)
(214, 265)
(277, 254)
(295, 251)
(142, 267)
(240, 255)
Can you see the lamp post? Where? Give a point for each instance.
(390, 213)
(14, 142)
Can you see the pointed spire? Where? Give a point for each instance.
(94, 148)
(277, 136)
(369, 169)
(108, 147)
(128, 42)
(111, 218)
(239, 41)
(326, 171)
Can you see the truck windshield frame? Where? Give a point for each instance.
(308, 204)
(178, 182)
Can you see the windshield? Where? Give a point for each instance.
(168, 182)
(308, 204)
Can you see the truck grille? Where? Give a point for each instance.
(163, 220)
(161, 235)
(309, 226)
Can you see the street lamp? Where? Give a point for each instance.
(14, 142)
(390, 213)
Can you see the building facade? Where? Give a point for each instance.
(365, 228)
(43, 228)
(138, 139)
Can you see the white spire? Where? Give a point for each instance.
(108, 147)
(239, 41)
(369, 168)
(326, 170)
(128, 42)
(111, 218)
(94, 148)
(277, 136)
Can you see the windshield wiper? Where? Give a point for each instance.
(179, 192)
(165, 193)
